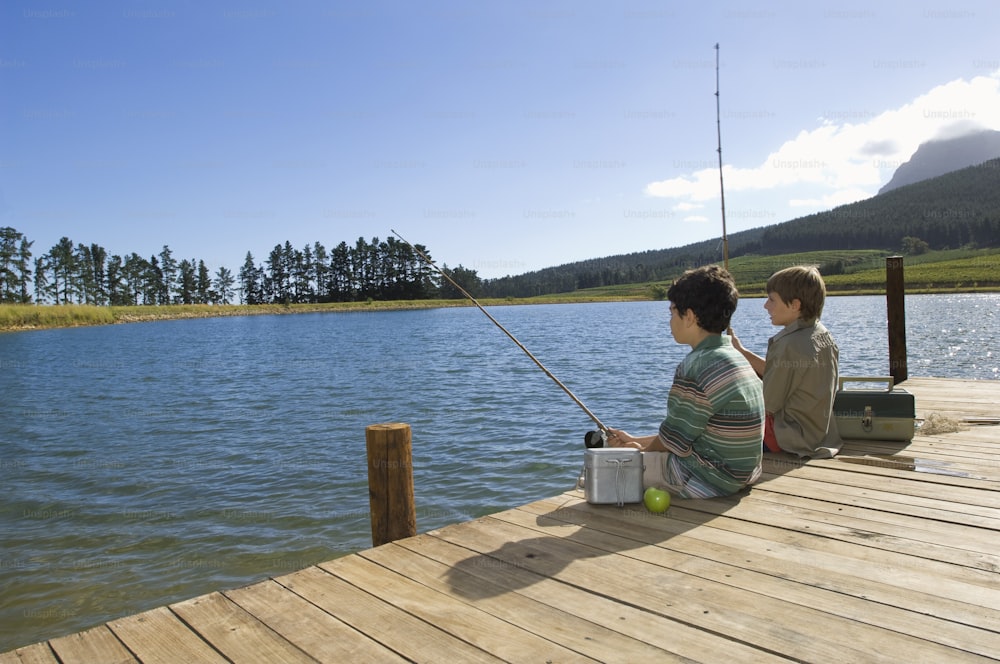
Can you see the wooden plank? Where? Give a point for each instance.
(542, 620)
(982, 440)
(959, 447)
(872, 534)
(708, 604)
(891, 523)
(469, 623)
(605, 623)
(787, 520)
(238, 635)
(958, 498)
(952, 458)
(985, 433)
(923, 459)
(752, 603)
(934, 638)
(857, 570)
(309, 627)
(965, 454)
(899, 609)
(975, 586)
(159, 637)
(985, 438)
(934, 476)
(878, 500)
(910, 469)
(964, 447)
(968, 447)
(391, 626)
(928, 449)
(933, 390)
(97, 644)
(36, 653)
(953, 397)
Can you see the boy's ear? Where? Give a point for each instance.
(795, 304)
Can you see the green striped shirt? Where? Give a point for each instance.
(715, 420)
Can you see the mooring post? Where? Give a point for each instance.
(390, 482)
(894, 292)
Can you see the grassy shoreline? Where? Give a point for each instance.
(23, 317)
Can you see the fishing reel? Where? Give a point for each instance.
(593, 439)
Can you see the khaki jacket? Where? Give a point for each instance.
(800, 383)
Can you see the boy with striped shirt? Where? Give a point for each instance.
(715, 409)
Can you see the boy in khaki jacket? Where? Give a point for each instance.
(801, 370)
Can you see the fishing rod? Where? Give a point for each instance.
(722, 192)
(593, 438)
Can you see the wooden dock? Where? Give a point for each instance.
(891, 552)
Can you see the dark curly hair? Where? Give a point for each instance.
(710, 292)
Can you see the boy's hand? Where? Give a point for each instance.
(735, 340)
(756, 362)
(618, 438)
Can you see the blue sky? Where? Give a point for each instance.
(506, 137)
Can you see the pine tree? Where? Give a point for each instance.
(340, 284)
(277, 290)
(134, 269)
(42, 291)
(223, 286)
(86, 280)
(23, 265)
(9, 283)
(114, 277)
(250, 286)
(321, 271)
(62, 263)
(187, 282)
(304, 272)
(98, 256)
(153, 283)
(203, 284)
(168, 276)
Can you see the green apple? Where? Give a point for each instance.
(656, 500)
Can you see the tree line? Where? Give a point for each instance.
(376, 270)
(71, 273)
(79, 273)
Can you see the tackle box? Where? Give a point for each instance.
(874, 414)
(612, 476)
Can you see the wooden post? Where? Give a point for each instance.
(390, 482)
(894, 292)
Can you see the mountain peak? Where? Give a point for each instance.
(939, 156)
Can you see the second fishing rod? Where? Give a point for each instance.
(592, 438)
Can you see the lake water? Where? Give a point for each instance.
(148, 463)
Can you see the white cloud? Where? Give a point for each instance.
(843, 162)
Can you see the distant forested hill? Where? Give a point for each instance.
(940, 156)
(959, 209)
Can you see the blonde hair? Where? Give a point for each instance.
(802, 283)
